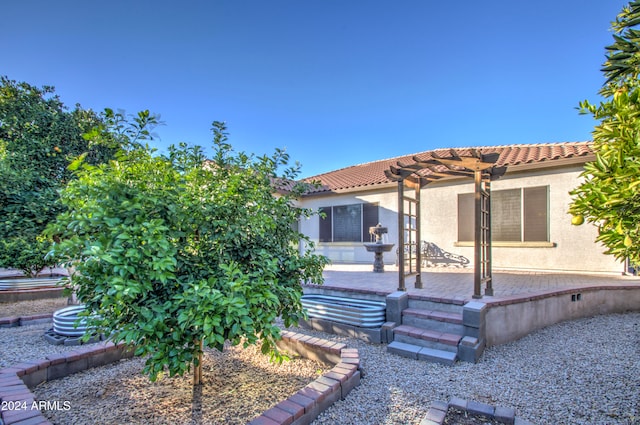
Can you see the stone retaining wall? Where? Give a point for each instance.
(21, 408)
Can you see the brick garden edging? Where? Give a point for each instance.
(438, 411)
(305, 405)
(16, 381)
(34, 319)
(301, 408)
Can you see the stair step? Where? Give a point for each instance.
(437, 356)
(427, 303)
(428, 335)
(440, 321)
(440, 316)
(422, 353)
(403, 349)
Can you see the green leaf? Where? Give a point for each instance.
(177, 251)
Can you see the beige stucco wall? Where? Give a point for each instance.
(506, 323)
(573, 247)
(348, 252)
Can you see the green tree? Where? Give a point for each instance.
(39, 138)
(609, 196)
(174, 251)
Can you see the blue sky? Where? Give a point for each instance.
(335, 83)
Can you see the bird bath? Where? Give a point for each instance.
(377, 247)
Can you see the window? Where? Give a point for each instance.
(517, 215)
(506, 215)
(347, 223)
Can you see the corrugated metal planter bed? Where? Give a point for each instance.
(64, 321)
(356, 312)
(29, 283)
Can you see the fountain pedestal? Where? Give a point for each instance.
(378, 248)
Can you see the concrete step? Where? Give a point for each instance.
(427, 338)
(417, 352)
(436, 320)
(428, 303)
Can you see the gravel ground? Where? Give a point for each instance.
(25, 308)
(24, 343)
(580, 372)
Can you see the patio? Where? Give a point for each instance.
(456, 284)
(523, 301)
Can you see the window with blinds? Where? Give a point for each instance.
(517, 215)
(347, 223)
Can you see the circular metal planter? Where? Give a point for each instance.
(64, 321)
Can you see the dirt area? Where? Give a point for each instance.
(239, 384)
(458, 417)
(27, 308)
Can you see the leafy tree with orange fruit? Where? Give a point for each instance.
(609, 195)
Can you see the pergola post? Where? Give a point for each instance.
(482, 235)
(418, 284)
(401, 286)
(477, 245)
(488, 272)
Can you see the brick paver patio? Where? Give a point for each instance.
(451, 283)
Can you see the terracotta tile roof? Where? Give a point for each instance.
(371, 174)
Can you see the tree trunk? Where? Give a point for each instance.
(73, 297)
(197, 364)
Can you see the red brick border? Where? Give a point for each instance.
(301, 408)
(13, 321)
(305, 405)
(16, 381)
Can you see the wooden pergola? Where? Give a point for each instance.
(463, 163)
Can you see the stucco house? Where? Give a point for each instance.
(531, 229)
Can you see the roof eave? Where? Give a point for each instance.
(364, 188)
(552, 163)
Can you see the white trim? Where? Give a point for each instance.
(511, 244)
